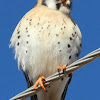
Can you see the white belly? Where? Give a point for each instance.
(41, 47)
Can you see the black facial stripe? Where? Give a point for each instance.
(43, 3)
(58, 6)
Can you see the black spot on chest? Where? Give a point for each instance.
(77, 54)
(18, 44)
(18, 37)
(58, 42)
(18, 32)
(69, 46)
(70, 57)
(80, 45)
(71, 38)
(73, 35)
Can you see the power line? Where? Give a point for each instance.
(69, 69)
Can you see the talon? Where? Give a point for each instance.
(40, 82)
(61, 68)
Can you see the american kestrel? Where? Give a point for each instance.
(47, 37)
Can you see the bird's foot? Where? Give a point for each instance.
(61, 68)
(40, 82)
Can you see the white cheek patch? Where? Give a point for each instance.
(51, 4)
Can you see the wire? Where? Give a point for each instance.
(69, 69)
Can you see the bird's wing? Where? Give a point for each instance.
(29, 83)
(65, 89)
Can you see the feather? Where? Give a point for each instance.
(66, 88)
(29, 83)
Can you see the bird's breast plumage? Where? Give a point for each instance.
(44, 39)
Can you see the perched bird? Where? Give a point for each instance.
(47, 37)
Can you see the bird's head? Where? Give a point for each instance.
(61, 5)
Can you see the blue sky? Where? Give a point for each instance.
(85, 84)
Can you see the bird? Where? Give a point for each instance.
(47, 37)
